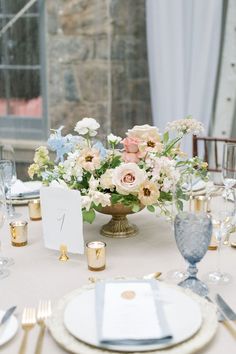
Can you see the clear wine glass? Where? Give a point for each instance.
(193, 236)
(223, 222)
(229, 170)
(8, 174)
(4, 261)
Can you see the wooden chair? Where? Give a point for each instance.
(211, 150)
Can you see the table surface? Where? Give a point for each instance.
(38, 274)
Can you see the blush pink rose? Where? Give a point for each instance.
(131, 144)
(130, 157)
(127, 178)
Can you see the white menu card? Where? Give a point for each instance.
(128, 313)
(62, 219)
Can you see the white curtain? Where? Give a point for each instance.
(183, 49)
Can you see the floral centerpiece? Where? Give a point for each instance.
(143, 169)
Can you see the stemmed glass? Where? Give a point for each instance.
(193, 236)
(229, 170)
(223, 222)
(4, 261)
(177, 275)
(8, 174)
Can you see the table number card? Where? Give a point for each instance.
(62, 219)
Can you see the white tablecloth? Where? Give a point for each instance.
(38, 274)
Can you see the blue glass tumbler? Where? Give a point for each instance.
(193, 235)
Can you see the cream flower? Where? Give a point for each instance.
(87, 126)
(89, 159)
(106, 180)
(151, 146)
(127, 178)
(186, 126)
(144, 132)
(148, 193)
(33, 170)
(41, 156)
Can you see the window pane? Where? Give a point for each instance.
(14, 6)
(3, 102)
(1, 43)
(25, 96)
(23, 42)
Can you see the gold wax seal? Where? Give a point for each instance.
(128, 294)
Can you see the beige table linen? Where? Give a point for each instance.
(38, 274)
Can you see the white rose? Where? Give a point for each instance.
(101, 198)
(86, 202)
(93, 183)
(87, 126)
(106, 180)
(127, 178)
(113, 139)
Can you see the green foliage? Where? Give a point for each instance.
(165, 137)
(88, 216)
(135, 208)
(128, 200)
(165, 196)
(151, 208)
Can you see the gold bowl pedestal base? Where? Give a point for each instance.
(119, 227)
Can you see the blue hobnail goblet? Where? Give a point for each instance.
(193, 235)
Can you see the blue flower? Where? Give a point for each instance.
(99, 146)
(60, 144)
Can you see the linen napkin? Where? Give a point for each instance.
(20, 189)
(129, 313)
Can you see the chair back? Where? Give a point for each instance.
(211, 150)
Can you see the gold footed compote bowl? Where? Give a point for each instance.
(118, 226)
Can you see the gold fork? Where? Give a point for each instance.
(44, 312)
(27, 323)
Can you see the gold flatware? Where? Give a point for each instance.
(27, 323)
(154, 275)
(43, 313)
(233, 244)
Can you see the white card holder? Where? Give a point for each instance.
(62, 219)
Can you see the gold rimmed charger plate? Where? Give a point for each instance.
(192, 345)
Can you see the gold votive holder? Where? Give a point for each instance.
(200, 203)
(34, 209)
(96, 255)
(19, 233)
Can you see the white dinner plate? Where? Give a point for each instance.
(198, 186)
(182, 312)
(33, 186)
(9, 329)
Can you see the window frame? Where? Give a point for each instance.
(22, 127)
